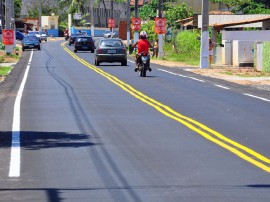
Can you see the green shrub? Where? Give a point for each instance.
(2, 59)
(266, 58)
(187, 43)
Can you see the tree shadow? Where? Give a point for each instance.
(31, 140)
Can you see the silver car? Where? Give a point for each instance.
(43, 36)
(110, 50)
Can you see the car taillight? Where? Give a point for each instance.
(123, 50)
(76, 43)
(99, 50)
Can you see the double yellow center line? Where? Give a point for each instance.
(236, 148)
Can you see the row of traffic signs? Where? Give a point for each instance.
(160, 24)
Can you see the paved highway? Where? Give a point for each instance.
(71, 131)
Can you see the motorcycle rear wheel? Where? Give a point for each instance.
(143, 70)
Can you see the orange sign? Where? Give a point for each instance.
(111, 23)
(8, 37)
(160, 25)
(136, 24)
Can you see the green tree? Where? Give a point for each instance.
(149, 27)
(231, 3)
(177, 12)
(149, 10)
(253, 8)
(17, 8)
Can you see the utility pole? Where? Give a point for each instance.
(128, 23)
(204, 57)
(8, 23)
(2, 14)
(39, 14)
(111, 17)
(136, 33)
(92, 18)
(160, 36)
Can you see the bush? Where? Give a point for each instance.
(266, 59)
(186, 43)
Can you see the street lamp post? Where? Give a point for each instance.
(204, 54)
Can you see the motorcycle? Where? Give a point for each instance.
(143, 63)
(66, 36)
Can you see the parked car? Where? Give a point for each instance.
(43, 36)
(110, 50)
(19, 35)
(107, 34)
(30, 42)
(73, 37)
(84, 43)
(34, 33)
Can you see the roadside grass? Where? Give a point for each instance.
(4, 70)
(170, 54)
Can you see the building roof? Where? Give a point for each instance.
(140, 2)
(220, 13)
(229, 24)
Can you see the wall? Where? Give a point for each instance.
(246, 35)
(243, 53)
(49, 22)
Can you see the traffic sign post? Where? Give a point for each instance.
(8, 37)
(136, 24)
(111, 23)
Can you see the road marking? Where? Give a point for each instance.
(131, 61)
(15, 157)
(224, 87)
(234, 147)
(180, 75)
(261, 98)
(196, 79)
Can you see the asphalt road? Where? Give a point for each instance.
(71, 131)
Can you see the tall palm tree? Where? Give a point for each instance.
(73, 5)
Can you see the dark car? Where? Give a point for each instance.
(19, 35)
(84, 43)
(111, 50)
(30, 42)
(73, 37)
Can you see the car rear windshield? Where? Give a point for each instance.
(111, 43)
(88, 39)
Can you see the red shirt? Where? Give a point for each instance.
(143, 45)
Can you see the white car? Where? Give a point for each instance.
(43, 36)
(107, 34)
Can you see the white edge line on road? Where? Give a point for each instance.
(224, 87)
(196, 79)
(257, 97)
(131, 61)
(15, 157)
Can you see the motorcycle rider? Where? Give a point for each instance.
(66, 33)
(143, 46)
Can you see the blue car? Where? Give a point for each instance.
(30, 42)
(19, 35)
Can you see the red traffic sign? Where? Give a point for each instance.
(111, 23)
(136, 24)
(8, 36)
(160, 25)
